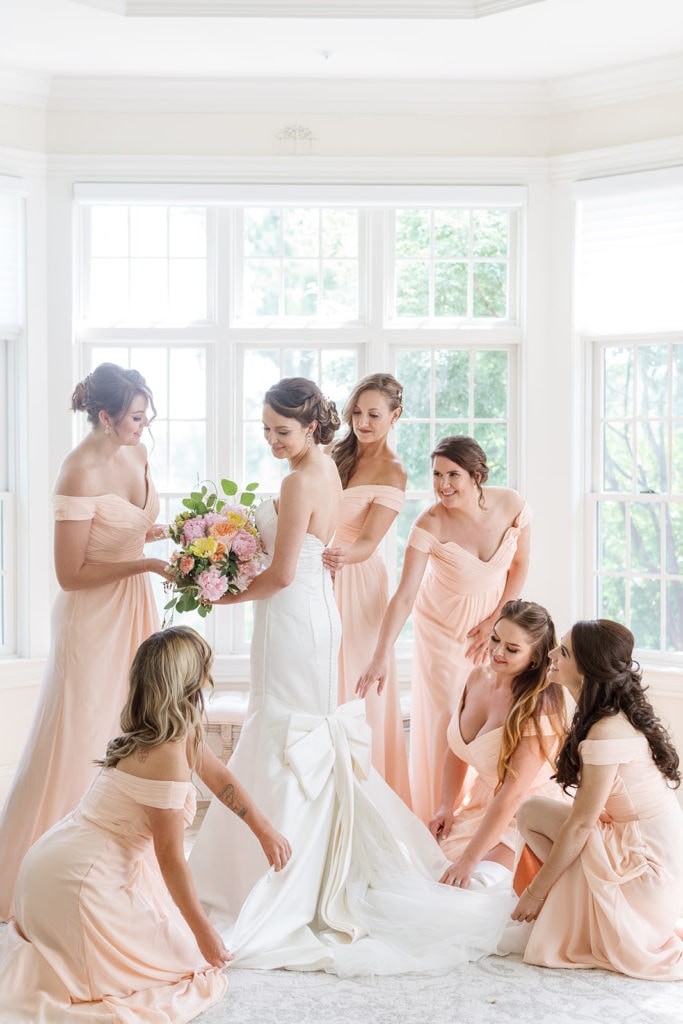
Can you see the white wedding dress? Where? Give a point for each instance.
(359, 894)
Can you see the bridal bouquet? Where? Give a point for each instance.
(220, 551)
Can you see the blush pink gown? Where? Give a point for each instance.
(616, 906)
(482, 754)
(95, 633)
(101, 939)
(458, 590)
(362, 595)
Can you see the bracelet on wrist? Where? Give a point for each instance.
(539, 899)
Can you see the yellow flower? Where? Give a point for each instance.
(204, 547)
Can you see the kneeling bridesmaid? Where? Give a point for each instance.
(611, 886)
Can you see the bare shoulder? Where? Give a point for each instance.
(75, 475)
(612, 727)
(166, 762)
(505, 501)
(429, 520)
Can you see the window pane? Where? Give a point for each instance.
(612, 536)
(413, 447)
(261, 288)
(618, 459)
(412, 288)
(645, 612)
(450, 289)
(451, 233)
(645, 538)
(490, 231)
(412, 233)
(413, 370)
(109, 231)
(653, 457)
(490, 385)
(489, 289)
(262, 232)
(612, 598)
(618, 382)
(340, 290)
(148, 290)
(108, 292)
(452, 382)
(340, 233)
(187, 232)
(187, 283)
(674, 616)
(149, 231)
(261, 369)
(301, 232)
(493, 439)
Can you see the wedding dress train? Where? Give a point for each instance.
(359, 894)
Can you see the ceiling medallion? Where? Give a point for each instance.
(424, 9)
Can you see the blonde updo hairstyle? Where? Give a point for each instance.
(165, 698)
(111, 389)
(300, 399)
(345, 450)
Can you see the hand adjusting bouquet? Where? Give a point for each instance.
(220, 549)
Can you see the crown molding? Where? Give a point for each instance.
(443, 9)
(24, 89)
(548, 98)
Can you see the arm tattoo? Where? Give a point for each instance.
(227, 797)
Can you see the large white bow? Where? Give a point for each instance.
(315, 741)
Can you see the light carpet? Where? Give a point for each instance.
(494, 990)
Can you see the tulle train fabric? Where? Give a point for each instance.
(362, 593)
(97, 937)
(95, 634)
(359, 895)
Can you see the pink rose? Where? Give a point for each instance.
(193, 530)
(244, 545)
(186, 564)
(211, 584)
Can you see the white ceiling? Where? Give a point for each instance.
(537, 42)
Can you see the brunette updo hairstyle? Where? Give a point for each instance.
(111, 389)
(345, 451)
(612, 683)
(297, 398)
(469, 454)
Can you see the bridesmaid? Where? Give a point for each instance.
(611, 887)
(109, 927)
(105, 508)
(374, 482)
(509, 726)
(466, 556)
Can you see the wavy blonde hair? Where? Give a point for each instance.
(165, 700)
(533, 697)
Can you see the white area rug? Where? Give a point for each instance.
(493, 991)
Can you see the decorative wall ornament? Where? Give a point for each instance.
(296, 140)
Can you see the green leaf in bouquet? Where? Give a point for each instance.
(229, 487)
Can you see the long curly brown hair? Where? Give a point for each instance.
(345, 451)
(533, 697)
(612, 684)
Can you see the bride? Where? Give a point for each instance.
(359, 894)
